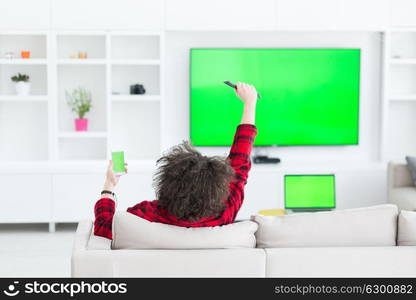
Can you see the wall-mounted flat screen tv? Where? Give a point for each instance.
(308, 96)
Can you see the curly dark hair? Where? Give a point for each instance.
(192, 186)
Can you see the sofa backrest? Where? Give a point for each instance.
(132, 232)
(406, 233)
(369, 226)
(398, 175)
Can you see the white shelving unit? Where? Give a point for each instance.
(88, 61)
(399, 97)
(21, 61)
(115, 60)
(135, 98)
(136, 62)
(87, 134)
(15, 98)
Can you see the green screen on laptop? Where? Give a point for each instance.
(309, 191)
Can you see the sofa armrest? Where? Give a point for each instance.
(82, 235)
(86, 262)
(398, 176)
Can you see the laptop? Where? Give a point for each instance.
(309, 192)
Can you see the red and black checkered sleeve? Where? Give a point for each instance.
(104, 211)
(239, 159)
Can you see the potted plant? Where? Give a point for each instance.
(79, 100)
(22, 84)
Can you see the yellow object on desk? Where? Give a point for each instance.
(82, 55)
(272, 212)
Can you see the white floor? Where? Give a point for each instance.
(29, 250)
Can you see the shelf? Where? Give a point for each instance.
(127, 47)
(31, 98)
(308, 167)
(83, 134)
(135, 98)
(403, 61)
(93, 45)
(93, 78)
(86, 61)
(400, 132)
(21, 61)
(404, 97)
(123, 76)
(23, 131)
(403, 29)
(38, 74)
(135, 62)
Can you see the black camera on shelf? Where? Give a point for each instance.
(137, 89)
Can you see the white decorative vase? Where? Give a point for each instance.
(22, 88)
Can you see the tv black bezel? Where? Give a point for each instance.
(272, 145)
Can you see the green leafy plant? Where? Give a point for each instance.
(79, 100)
(20, 77)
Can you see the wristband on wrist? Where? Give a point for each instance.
(107, 192)
(103, 192)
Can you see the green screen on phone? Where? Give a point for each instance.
(118, 162)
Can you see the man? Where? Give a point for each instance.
(192, 190)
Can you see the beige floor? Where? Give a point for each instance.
(29, 250)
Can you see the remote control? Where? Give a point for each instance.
(263, 159)
(234, 86)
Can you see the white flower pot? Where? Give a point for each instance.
(22, 88)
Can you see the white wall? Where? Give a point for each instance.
(206, 15)
(177, 88)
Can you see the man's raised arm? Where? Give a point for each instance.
(239, 156)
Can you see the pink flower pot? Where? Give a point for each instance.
(81, 124)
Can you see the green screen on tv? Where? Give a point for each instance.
(308, 96)
(309, 191)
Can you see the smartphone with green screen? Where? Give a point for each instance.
(118, 162)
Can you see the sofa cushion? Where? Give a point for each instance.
(411, 164)
(132, 232)
(341, 262)
(97, 242)
(370, 226)
(404, 197)
(406, 235)
(242, 262)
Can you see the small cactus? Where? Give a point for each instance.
(20, 77)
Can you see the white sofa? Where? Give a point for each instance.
(400, 187)
(305, 246)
